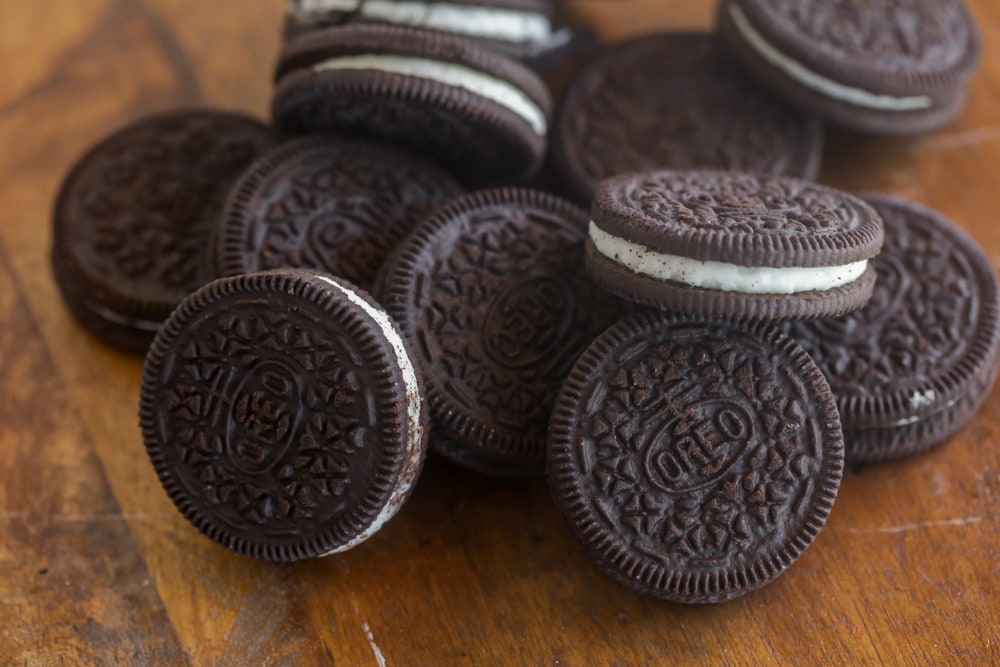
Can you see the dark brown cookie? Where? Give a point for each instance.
(731, 245)
(913, 366)
(894, 66)
(518, 28)
(491, 292)
(694, 462)
(676, 100)
(283, 414)
(479, 113)
(133, 218)
(327, 203)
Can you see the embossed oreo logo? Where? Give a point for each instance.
(264, 417)
(527, 322)
(696, 448)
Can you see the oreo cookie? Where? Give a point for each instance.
(893, 67)
(518, 28)
(694, 461)
(327, 203)
(283, 414)
(676, 100)
(132, 221)
(492, 294)
(913, 366)
(479, 113)
(730, 245)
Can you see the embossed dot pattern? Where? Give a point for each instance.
(695, 462)
(274, 415)
(676, 100)
(335, 205)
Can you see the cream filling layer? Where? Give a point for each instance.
(449, 74)
(111, 316)
(721, 275)
(817, 82)
(414, 414)
(506, 25)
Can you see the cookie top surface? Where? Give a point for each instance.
(676, 100)
(327, 203)
(930, 332)
(133, 218)
(283, 415)
(694, 462)
(492, 293)
(890, 45)
(474, 110)
(746, 219)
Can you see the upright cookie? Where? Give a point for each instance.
(893, 66)
(717, 244)
(283, 414)
(491, 292)
(676, 100)
(913, 366)
(481, 114)
(327, 203)
(133, 218)
(694, 461)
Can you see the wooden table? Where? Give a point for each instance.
(96, 566)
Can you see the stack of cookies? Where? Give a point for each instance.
(692, 361)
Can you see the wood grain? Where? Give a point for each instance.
(96, 567)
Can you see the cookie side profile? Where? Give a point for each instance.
(693, 461)
(283, 414)
(717, 244)
(894, 67)
(482, 115)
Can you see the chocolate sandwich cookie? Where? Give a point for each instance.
(893, 67)
(518, 28)
(676, 100)
(476, 111)
(913, 366)
(718, 244)
(693, 461)
(491, 292)
(132, 220)
(283, 414)
(327, 203)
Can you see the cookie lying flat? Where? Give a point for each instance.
(717, 244)
(483, 115)
(132, 222)
(519, 28)
(894, 66)
(492, 294)
(694, 462)
(283, 414)
(327, 203)
(676, 100)
(913, 366)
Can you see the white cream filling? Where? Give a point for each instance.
(414, 412)
(818, 82)
(449, 74)
(124, 320)
(721, 275)
(508, 25)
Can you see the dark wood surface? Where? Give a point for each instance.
(96, 567)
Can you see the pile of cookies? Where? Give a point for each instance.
(692, 360)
